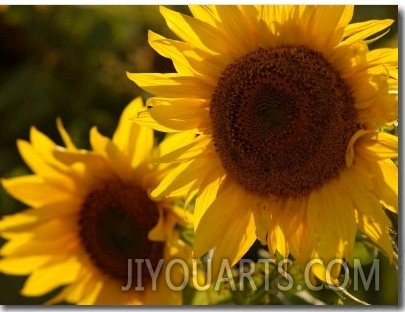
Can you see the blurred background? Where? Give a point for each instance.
(71, 62)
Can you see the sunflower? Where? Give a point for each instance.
(91, 215)
(287, 105)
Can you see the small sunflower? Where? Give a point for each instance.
(287, 104)
(90, 213)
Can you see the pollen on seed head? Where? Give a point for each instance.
(115, 220)
(282, 119)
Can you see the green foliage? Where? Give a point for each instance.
(363, 254)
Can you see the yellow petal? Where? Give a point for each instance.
(277, 219)
(384, 111)
(350, 152)
(65, 135)
(92, 290)
(27, 246)
(158, 233)
(179, 180)
(22, 265)
(196, 32)
(369, 215)
(274, 13)
(232, 23)
(39, 165)
(143, 118)
(50, 276)
(228, 225)
(265, 219)
(385, 56)
(292, 215)
(276, 241)
(363, 30)
(32, 158)
(41, 143)
(74, 291)
(180, 116)
(84, 289)
(40, 157)
(378, 145)
(208, 192)
(228, 218)
(86, 165)
(181, 215)
(375, 224)
(204, 13)
(329, 236)
(272, 18)
(384, 177)
(173, 50)
(31, 217)
(163, 294)
(174, 141)
(133, 140)
(34, 191)
(325, 25)
(381, 178)
(174, 85)
(111, 294)
(47, 230)
(346, 16)
(387, 187)
(189, 151)
(186, 60)
(43, 161)
(105, 147)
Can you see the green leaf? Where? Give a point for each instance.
(363, 253)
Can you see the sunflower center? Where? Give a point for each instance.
(282, 120)
(115, 220)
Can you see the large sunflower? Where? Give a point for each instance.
(90, 213)
(287, 104)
